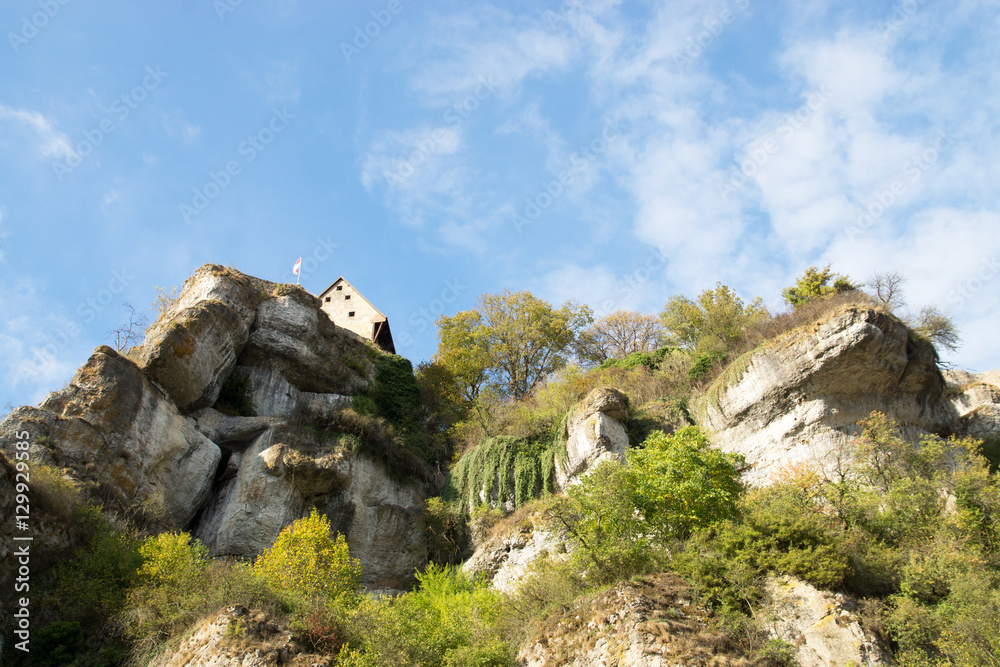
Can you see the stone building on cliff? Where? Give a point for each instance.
(348, 308)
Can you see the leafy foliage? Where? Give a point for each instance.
(511, 341)
(305, 561)
(713, 323)
(816, 284)
(505, 469)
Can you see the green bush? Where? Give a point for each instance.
(447, 621)
(306, 562)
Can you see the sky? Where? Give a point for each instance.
(612, 152)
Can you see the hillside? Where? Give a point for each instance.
(640, 512)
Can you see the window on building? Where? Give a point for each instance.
(346, 297)
(340, 288)
(350, 314)
(328, 299)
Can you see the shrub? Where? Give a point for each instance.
(305, 562)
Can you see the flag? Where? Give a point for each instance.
(295, 269)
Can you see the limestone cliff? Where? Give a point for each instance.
(798, 398)
(140, 432)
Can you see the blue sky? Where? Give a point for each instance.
(613, 152)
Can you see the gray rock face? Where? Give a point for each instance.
(311, 352)
(112, 428)
(823, 626)
(506, 557)
(976, 400)
(192, 349)
(274, 396)
(798, 398)
(596, 433)
(286, 471)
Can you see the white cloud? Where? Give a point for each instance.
(51, 142)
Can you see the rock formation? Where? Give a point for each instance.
(143, 434)
(798, 398)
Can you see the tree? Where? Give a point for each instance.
(165, 297)
(715, 322)
(511, 341)
(887, 288)
(937, 327)
(618, 335)
(816, 284)
(307, 562)
(130, 333)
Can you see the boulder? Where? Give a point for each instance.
(193, 347)
(595, 433)
(975, 398)
(295, 337)
(798, 398)
(824, 626)
(122, 437)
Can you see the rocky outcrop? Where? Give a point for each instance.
(237, 637)
(595, 433)
(798, 398)
(283, 472)
(193, 347)
(504, 558)
(273, 395)
(650, 622)
(118, 434)
(975, 398)
(292, 335)
(824, 626)
(148, 435)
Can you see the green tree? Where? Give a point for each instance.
(307, 562)
(713, 323)
(815, 284)
(679, 483)
(510, 341)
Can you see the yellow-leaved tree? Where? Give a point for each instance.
(306, 562)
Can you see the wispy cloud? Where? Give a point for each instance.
(51, 142)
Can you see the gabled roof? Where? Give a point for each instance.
(342, 280)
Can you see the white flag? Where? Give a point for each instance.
(295, 269)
